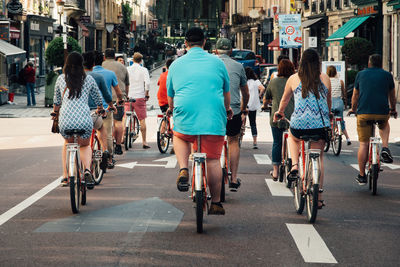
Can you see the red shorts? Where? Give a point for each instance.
(139, 106)
(210, 144)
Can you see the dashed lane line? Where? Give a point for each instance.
(28, 202)
(310, 244)
(278, 189)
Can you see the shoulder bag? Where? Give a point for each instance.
(327, 130)
(55, 128)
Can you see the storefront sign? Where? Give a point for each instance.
(14, 7)
(312, 42)
(289, 31)
(340, 68)
(14, 33)
(5, 31)
(367, 10)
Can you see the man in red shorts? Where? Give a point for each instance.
(198, 95)
(139, 81)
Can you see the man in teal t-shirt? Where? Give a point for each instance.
(198, 95)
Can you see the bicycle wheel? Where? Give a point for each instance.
(74, 185)
(199, 210)
(374, 172)
(337, 142)
(327, 145)
(134, 131)
(312, 193)
(162, 136)
(298, 195)
(281, 173)
(97, 171)
(224, 174)
(288, 167)
(128, 135)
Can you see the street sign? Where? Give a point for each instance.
(340, 68)
(289, 31)
(312, 41)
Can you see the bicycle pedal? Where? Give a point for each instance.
(381, 170)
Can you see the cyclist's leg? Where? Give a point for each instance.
(143, 131)
(64, 159)
(233, 131)
(294, 143)
(384, 132)
(364, 133)
(182, 151)
(276, 149)
(86, 152)
(214, 174)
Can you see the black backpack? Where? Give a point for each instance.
(21, 77)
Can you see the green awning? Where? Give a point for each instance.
(347, 28)
(393, 3)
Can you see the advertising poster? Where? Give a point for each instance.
(289, 31)
(340, 68)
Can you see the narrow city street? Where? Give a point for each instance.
(137, 217)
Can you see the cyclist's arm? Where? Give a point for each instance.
(354, 100)
(170, 103)
(147, 83)
(343, 93)
(118, 92)
(245, 97)
(392, 100)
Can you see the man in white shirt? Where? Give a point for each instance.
(139, 85)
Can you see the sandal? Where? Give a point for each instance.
(321, 204)
(292, 176)
(273, 178)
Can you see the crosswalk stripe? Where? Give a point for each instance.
(278, 189)
(310, 244)
(262, 159)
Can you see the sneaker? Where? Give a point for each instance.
(182, 182)
(64, 182)
(89, 179)
(172, 151)
(348, 142)
(111, 164)
(118, 150)
(386, 155)
(216, 209)
(361, 180)
(104, 159)
(235, 186)
(255, 146)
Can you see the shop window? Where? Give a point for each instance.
(346, 3)
(306, 4)
(314, 7)
(321, 6)
(338, 4)
(97, 11)
(34, 53)
(329, 4)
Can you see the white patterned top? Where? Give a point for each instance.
(336, 87)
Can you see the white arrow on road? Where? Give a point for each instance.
(262, 159)
(171, 163)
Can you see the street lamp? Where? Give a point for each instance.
(60, 5)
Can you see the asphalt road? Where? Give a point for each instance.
(137, 217)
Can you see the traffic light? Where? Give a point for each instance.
(59, 30)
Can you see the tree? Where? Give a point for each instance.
(357, 50)
(55, 51)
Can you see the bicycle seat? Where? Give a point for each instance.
(372, 122)
(335, 112)
(310, 137)
(74, 131)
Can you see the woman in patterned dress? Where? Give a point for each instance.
(72, 91)
(312, 104)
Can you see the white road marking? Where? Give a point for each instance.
(262, 159)
(391, 166)
(29, 201)
(355, 166)
(278, 189)
(346, 151)
(310, 244)
(132, 165)
(171, 161)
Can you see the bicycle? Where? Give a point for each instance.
(199, 185)
(336, 128)
(132, 126)
(164, 133)
(77, 185)
(97, 157)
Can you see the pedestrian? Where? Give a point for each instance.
(312, 104)
(72, 92)
(30, 79)
(123, 82)
(256, 90)
(198, 95)
(139, 80)
(274, 94)
(239, 100)
(120, 59)
(374, 98)
(338, 98)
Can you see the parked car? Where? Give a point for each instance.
(266, 71)
(247, 58)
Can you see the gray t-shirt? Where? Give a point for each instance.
(237, 78)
